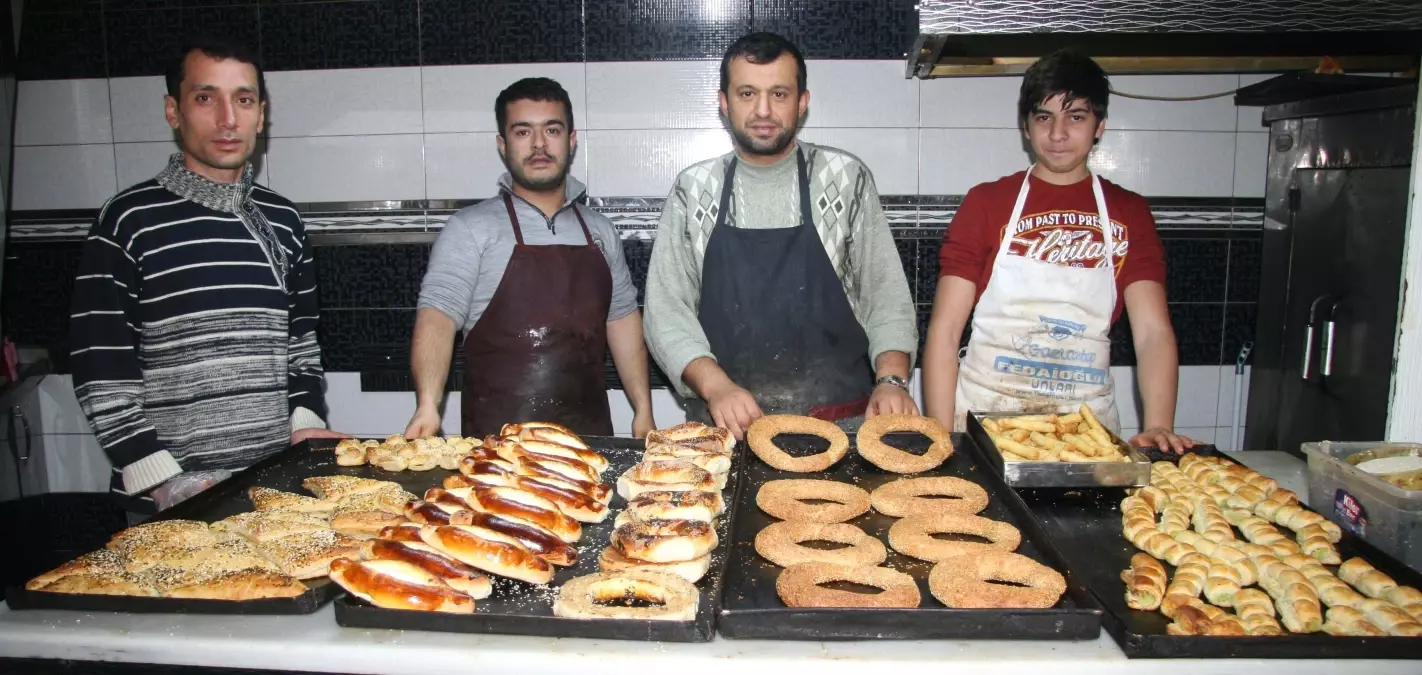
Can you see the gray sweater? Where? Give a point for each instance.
(847, 215)
(473, 250)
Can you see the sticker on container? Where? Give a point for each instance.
(1355, 517)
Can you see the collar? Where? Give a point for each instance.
(225, 197)
(572, 188)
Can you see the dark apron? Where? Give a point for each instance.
(538, 352)
(777, 317)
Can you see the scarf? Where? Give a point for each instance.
(234, 198)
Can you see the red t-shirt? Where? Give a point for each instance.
(1060, 222)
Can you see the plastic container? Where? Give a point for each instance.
(1381, 513)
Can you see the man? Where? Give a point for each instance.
(538, 285)
(774, 284)
(194, 311)
(1028, 258)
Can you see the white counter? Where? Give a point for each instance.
(315, 643)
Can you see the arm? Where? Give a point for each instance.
(108, 374)
(629, 354)
(445, 294)
(305, 377)
(1157, 364)
(952, 305)
(882, 302)
(673, 332)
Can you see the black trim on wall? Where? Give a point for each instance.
(63, 39)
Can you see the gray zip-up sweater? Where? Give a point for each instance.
(850, 222)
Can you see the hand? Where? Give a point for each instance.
(424, 424)
(1165, 439)
(642, 424)
(734, 408)
(890, 399)
(315, 432)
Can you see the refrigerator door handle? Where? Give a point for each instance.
(1329, 329)
(1309, 331)
(19, 415)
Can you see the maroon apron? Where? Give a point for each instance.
(538, 352)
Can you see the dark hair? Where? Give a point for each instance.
(761, 48)
(531, 89)
(221, 50)
(1069, 73)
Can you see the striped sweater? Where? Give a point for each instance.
(187, 342)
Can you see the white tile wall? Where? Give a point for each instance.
(63, 176)
(461, 98)
(344, 102)
(1251, 164)
(654, 95)
(1216, 114)
(1250, 118)
(861, 94)
(342, 168)
(1175, 163)
(969, 102)
(950, 161)
(138, 109)
(402, 133)
(891, 154)
(63, 112)
(645, 163)
(137, 162)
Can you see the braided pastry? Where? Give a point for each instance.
(1190, 575)
(1294, 517)
(1222, 622)
(1145, 582)
(1221, 583)
(1314, 543)
(1163, 546)
(1259, 531)
(1349, 621)
(1136, 517)
(1256, 611)
(1408, 598)
(1244, 571)
(1331, 591)
(1209, 521)
(1176, 515)
(1295, 597)
(1365, 578)
(1388, 617)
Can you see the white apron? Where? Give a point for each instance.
(1041, 333)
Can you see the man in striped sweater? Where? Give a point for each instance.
(193, 330)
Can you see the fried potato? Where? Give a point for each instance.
(1073, 437)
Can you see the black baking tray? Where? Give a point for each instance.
(752, 609)
(283, 471)
(520, 608)
(1086, 526)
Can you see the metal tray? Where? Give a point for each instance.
(520, 608)
(1060, 474)
(753, 610)
(283, 471)
(1086, 526)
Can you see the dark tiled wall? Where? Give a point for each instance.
(122, 38)
(368, 295)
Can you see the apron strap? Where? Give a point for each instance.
(586, 235)
(513, 219)
(728, 184)
(807, 218)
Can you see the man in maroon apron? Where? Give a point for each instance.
(539, 286)
(775, 285)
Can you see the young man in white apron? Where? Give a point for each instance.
(1028, 257)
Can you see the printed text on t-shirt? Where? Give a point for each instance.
(1069, 238)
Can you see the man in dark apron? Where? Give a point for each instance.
(774, 284)
(538, 285)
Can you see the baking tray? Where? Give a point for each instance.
(752, 609)
(1086, 526)
(520, 608)
(283, 471)
(1060, 474)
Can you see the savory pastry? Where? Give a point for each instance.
(488, 550)
(802, 586)
(309, 555)
(612, 560)
(694, 435)
(394, 584)
(965, 582)
(761, 438)
(911, 496)
(913, 536)
(522, 506)
(260, 526)
(455, 574)
(169, 532)
(674, 475)
(780, 544)
(665, 541)
(120, 583)
(873, 448)
(662, 597)
(664, 505)
(1145, 583)
(787, 500)
(94, 563)
(337, 488)
(267, 499)
(239, 585)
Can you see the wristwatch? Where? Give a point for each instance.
(894, 380)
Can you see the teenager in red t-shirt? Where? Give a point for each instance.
(1043, 295)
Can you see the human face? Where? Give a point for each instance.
(1062, 136)
(217, 115)
(536, 145)
(764, 106)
